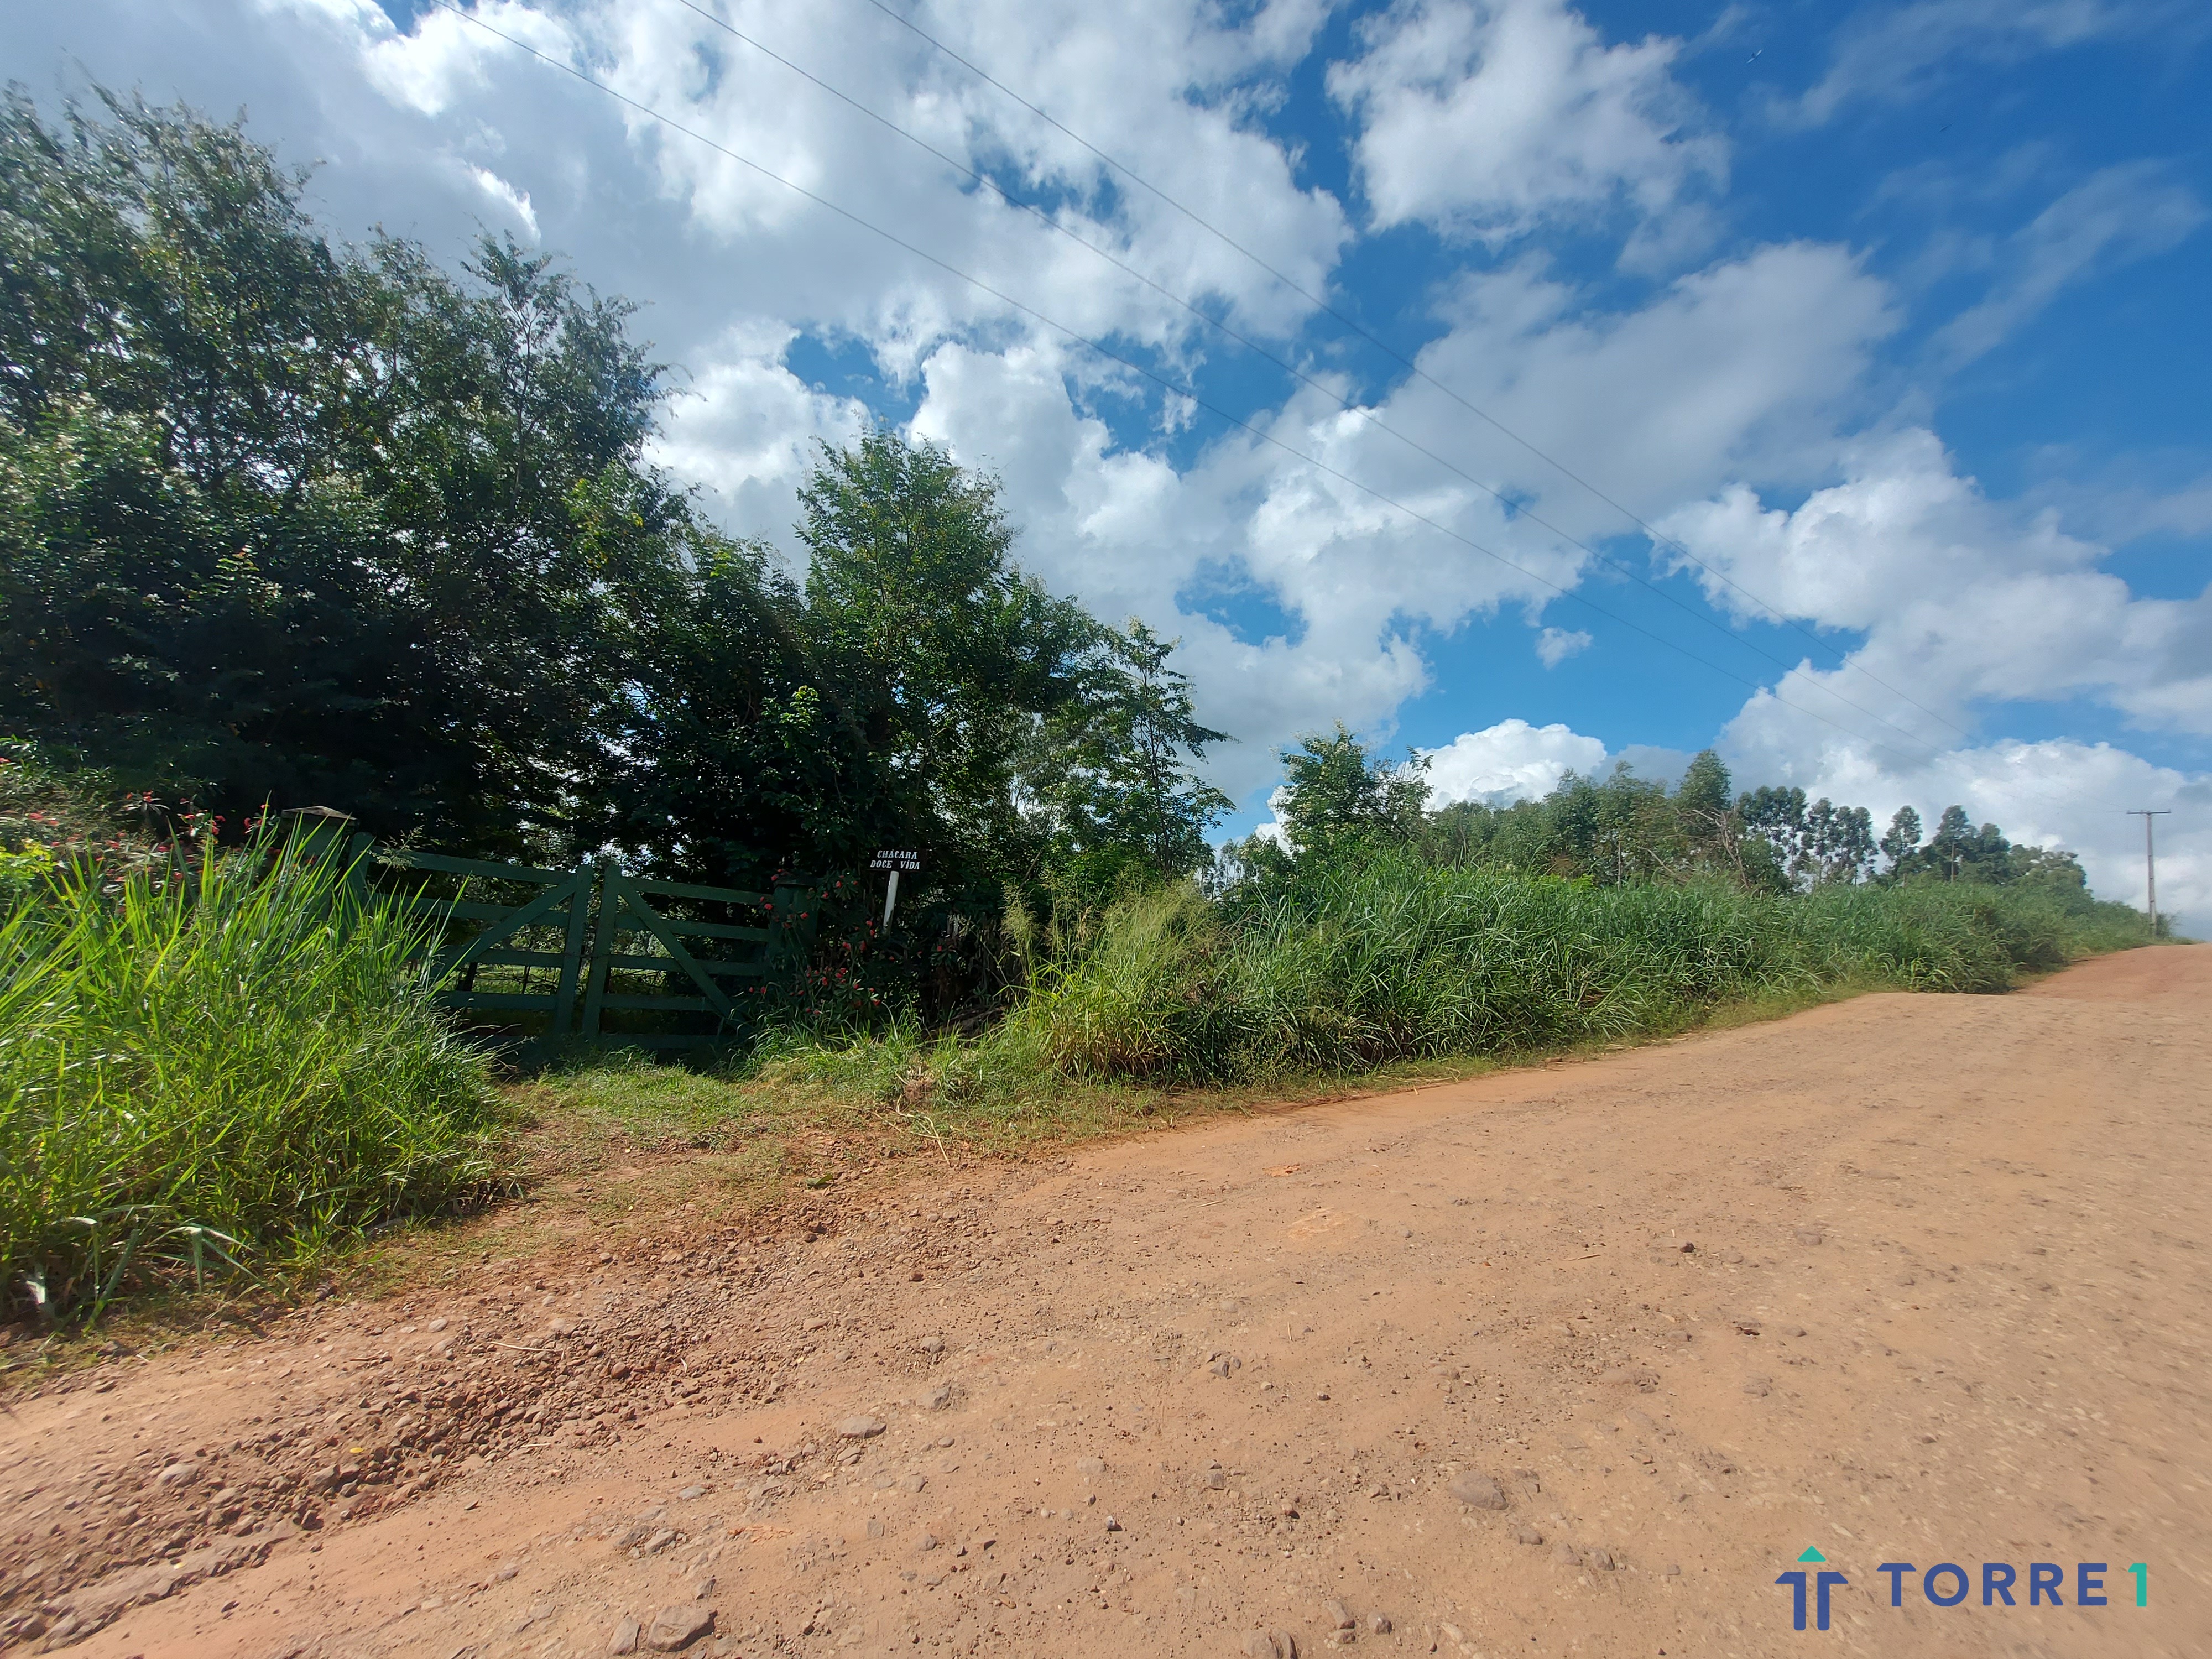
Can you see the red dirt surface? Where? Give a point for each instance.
(1575, 1360)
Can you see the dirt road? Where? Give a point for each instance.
(1578, 1360)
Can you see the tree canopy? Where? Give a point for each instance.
(286, 523)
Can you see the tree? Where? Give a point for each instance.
(1337, 795)
(1776, 817)
(737, 759)
(1839, 842)
(944, 655)
(1710, 826)
(291, 524)
(1901, 844)
(1114, 772)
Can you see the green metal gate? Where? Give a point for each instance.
(555, 953)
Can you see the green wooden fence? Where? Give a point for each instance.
(593, 952)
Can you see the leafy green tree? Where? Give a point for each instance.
(1776, 816)
(1838, 843)
(1337, 795)
(1619, 828)
(1115, 772)
(1947, 847)
(1962, 850)
(943, 654)
(1622, 828)
(1811, 841)
(1900, 845)
(282, 522)
(1706, 809)
(736, 761)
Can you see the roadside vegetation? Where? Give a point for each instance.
(286, 525)
(1170, 996)
(231, 1063)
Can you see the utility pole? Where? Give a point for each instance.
(2150, 860)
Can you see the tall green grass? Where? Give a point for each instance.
(1394, 959)
(241, 1062)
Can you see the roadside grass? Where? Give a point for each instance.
(1175, 1009)
(1390, 959)
(1388, 976)
(231, 1069)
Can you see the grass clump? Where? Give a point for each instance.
(235, 1062)
(1390, 958)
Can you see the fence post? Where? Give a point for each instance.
(580, 886)
(782, 918)
(602, 947)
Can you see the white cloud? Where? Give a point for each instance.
(1484, 117)
(1897, 53)
(1962, 600)
(517, 203)
(746, 429)
(2120, 215)
(1963, 603)
(1736, 367)
(1745, 368)
(1126, 532)
(1555, 645)
(1509, 761)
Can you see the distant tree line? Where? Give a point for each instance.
(1339, 794)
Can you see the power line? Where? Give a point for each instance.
(1658, 539)
(1136, 368)
(1368, 415)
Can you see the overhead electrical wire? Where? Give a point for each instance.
(1365, 413)
(1134, 366)
(1658, 537)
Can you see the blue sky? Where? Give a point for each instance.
(1891, 316)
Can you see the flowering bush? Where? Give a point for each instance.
(848, 974)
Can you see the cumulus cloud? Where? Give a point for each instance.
(1963, 601)
(1555, 645)
(1742, 363)
(1485, 117)
(1127, 531)
(1509, 761)
(1745, 368)
(747, 430)
(1963, 604)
